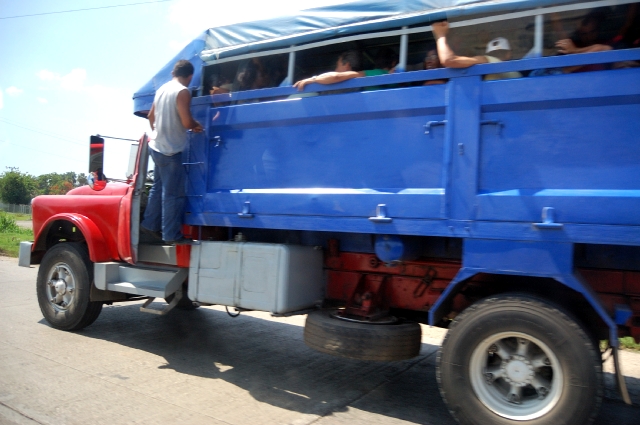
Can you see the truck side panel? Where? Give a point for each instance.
(469, 159)
(572, 147)
(330, 156)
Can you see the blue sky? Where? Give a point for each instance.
(65, 76)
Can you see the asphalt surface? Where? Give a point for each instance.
(203, 367)
(27, 224)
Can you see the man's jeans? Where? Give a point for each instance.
(166, 198)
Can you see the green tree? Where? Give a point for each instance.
(48, 181)
(82, 180)
(16, 187)
(59, 184)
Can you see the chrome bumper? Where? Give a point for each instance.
(24, 258)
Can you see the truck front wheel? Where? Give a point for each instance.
(514, 358)
(63, 287)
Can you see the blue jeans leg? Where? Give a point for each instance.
(166, 198)
(153, 212)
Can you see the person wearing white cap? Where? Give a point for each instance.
(498, 50)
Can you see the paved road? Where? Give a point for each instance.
(27, 224)
(203, 367)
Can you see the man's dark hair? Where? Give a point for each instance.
(386, 58)
(182, 68)
(588, 32)
(353, 58)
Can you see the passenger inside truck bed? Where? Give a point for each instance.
(498, 50)
(219, 85)
(586, 38)
(254, 74)
(430, 61)
(589, 37)
(385, 60)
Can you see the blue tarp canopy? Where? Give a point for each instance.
(317, 24)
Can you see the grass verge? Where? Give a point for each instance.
(11, 234)
(628, 343)
(20, 217)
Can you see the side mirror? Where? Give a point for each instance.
(97, 181)
(96, 178)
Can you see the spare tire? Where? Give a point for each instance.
(361, 341)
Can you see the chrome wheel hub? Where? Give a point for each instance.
(61, 287)
(516, 376)
(517, 371)
(61, 284)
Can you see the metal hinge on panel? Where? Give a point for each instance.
(218, 141)
(497, 123)
(381, 215)
(246, 207)
(429, 124)
(548, 220)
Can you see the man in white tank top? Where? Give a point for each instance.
(498, 50)
(170, 118)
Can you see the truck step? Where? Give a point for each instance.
(149, 282)
(164, 310)
(158, 254)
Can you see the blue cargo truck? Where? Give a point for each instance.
(503, 209)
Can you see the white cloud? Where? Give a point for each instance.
(100, 104)
(1, 101)
(14, 91)
(76, 81)
(46, 75)
(72, 81)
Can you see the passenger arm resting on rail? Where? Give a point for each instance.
(567, 46)
(447, 57)
(328, 78)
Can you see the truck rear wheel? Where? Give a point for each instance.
(361, 341)
(63, 287)
(514, 358)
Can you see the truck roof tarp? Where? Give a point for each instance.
(317, 24)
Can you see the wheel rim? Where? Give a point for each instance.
(61, 286)
(516, 376)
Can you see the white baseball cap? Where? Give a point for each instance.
(499, 43)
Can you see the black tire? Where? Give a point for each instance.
(361, 341)
(63, 287)
(500, 349)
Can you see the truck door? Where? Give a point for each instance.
(129, 220)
